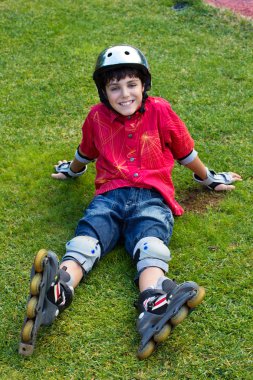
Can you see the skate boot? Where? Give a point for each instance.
(163, 309)
(49, 295)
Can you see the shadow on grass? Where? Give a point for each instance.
(198, 200)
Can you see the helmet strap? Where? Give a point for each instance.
(144, 98)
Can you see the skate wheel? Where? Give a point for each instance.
(27, 331)
(179, 316)
(198, 298)
(35, 284)
(39, 260)
(163, 334)
(146, 351)
(31, 307)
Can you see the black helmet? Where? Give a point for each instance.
(121, 56)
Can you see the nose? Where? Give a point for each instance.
(124, 92)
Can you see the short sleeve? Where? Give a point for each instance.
(87, 144)
(176, 134)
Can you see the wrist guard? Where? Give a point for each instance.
(65, 169)
(214, 179)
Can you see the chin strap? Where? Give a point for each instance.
(144, 98)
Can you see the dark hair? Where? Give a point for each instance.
(107, 76)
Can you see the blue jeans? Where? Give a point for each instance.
(131, 213)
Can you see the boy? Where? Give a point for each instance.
(135, 140)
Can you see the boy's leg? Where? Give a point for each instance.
(149, 278)
(147, 237)
(96, 234)
(162, 304)
(82, 253)
(162, 308)
(51, 289)
(52, 286)
(74, 270)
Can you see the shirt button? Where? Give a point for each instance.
(130, 135)
(132, 159)
(136, 175)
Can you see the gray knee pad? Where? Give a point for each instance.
(83, 249)
(151, 252)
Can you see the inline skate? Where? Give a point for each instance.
(163, 309)
(49, 295)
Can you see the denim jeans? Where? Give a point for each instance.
(129, 213)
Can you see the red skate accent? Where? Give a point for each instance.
(57, 292)
(160, 302)
(243, 7)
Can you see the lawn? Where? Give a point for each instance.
(201, 61)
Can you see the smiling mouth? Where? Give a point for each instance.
(125, 104)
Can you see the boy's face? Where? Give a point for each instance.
(125, 95)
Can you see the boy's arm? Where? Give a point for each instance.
(218, 182)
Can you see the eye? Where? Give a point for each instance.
(132, 84)
(127, 52)
(109, 54)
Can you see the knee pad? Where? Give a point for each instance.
(151, 251)
(85, 250)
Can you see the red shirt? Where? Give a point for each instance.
(137, 150)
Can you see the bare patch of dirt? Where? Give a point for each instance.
(197, 200)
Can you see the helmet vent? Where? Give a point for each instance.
(127, 52)
(109, 54)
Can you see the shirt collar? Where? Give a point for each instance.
(113, 115)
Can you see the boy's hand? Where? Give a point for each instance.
(223, 187)
(218, 181)
(64, 170)
(60, 176)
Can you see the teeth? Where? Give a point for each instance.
(126, 103)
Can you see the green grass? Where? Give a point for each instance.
(201, 61)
